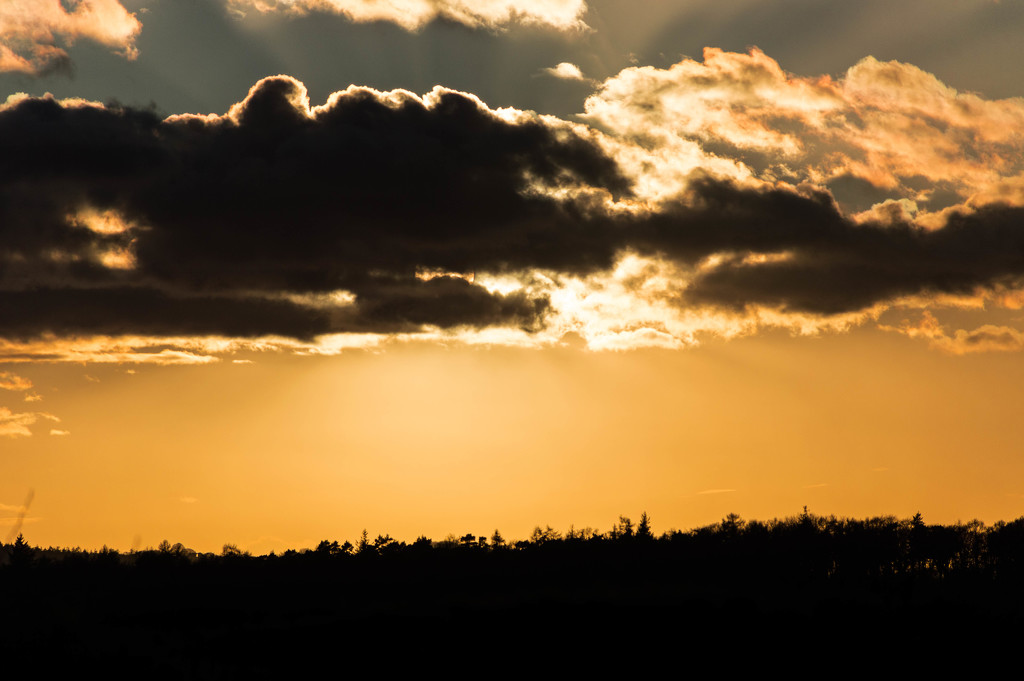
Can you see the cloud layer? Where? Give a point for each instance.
(14, 424)
(34, 33)
(413, 14)
(884, 131)
(708, 204)
(115, 222)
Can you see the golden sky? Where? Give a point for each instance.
(302, 291)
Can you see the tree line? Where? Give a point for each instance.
(822, 585)
(814, 546)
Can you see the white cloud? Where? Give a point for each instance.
(566, 71)
(890, 125)
(564, 15)
(32, 32)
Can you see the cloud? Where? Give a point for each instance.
(566, 71)
(716, 491)
(833, 265)
(33, 33)
(57, 432)
(985, 338)
(13, 424)
(9, 381)
(139, 310)
(156, 350)
(379, 216)
(884, 130)
(564, 15)
(226, 216)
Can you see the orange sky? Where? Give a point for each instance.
(423, 440)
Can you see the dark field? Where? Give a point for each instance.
(798, 593)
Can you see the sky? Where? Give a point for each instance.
(276, 271)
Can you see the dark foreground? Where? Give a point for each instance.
(808, 594)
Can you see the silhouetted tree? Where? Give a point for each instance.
(1006, 547)
(328, 548)
(643, 528)
(21, 553)
(972, 539)
(732, 525)
(384, 543)
(548, 534)
(623, 529)
(363, 547)
(449, 542)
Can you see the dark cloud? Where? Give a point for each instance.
(145, 311)
(446, 302)
(833, 265)
(717, 216)
(57, 160)
(287, 201)
(233, 219)
(230, 213)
